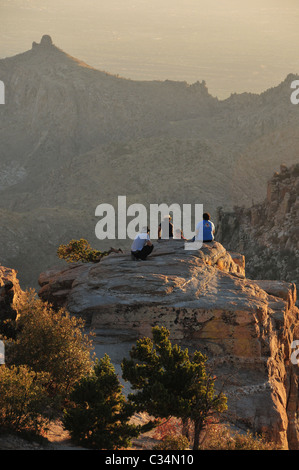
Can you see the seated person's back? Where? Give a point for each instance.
(206, 228)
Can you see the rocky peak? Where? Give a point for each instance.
(46, 42)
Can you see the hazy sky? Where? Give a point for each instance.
(234, 45)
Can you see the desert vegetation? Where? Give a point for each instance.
(79, 250)
(51, 373)
(47, 353)
(168, 382)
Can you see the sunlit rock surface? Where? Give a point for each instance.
(245, 327)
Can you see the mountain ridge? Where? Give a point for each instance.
(73, 137)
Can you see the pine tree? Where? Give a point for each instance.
(168, 382)
(99, 414)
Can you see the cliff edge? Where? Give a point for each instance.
(245, 327)
(267, 233)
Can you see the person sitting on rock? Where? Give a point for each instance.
(165, 225)
(178, 235)
(206, 229)
(142, 245)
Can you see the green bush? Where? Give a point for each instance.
(50, 341)
(168, 382)
(23, 399)
(98, 415)
(79, 250)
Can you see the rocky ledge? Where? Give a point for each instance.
(245, 327)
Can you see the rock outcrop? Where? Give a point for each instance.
(267, 233)
(10, 294)
(46, 41)
(245, 327)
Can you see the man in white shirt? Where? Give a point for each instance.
(142, 245)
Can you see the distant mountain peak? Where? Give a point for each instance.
(46, 41)
(47, 48)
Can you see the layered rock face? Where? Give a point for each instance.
(268, 233)
(10, 294)
(245, 327)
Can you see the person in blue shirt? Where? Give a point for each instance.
(205, 229)
(142, 245)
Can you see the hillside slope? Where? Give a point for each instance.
(268, 233)
(73, 137)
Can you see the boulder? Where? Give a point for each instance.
(245, 327)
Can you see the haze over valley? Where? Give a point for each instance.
(74, 137)
(235, 46)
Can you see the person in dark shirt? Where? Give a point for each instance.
(167, 220)
(142, 245)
